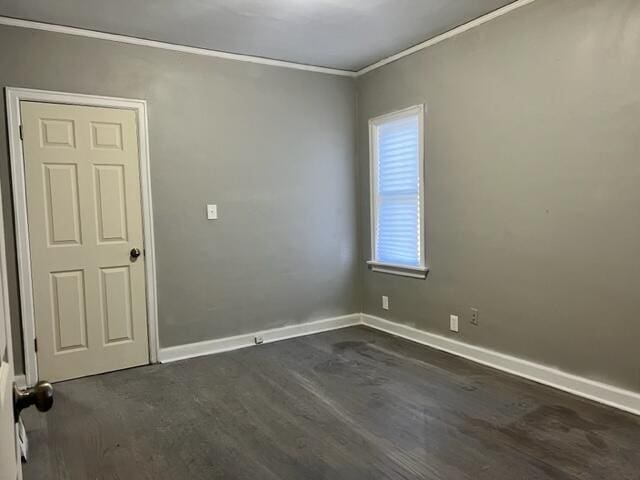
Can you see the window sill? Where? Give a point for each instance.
(404, 271)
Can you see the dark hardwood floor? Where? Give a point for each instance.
(348, 404)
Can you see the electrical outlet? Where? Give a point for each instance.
(475, 316)
(453, 323)
(385, 302)
(258, 340)
(212, 212)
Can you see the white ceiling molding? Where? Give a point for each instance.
(451, 33)
(81, 32)
(14, 22)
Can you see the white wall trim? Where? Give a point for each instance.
(583, 387)
(444, 36)
(81, 32)
(610, 395)
(208, 347)
(13, 98)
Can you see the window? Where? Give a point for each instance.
(397, 193)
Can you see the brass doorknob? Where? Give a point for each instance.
(40, 395)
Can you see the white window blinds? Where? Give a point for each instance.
(397, 188)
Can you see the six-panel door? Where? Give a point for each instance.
(84, 218)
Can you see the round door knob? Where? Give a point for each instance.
(40, 395)
(135, 253)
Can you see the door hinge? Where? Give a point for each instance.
(21, 133)
(35, 344)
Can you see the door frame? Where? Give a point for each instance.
(4, 292)
(13, 98)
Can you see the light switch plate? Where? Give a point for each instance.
(212, 212)
(453, 323)
(385, 302)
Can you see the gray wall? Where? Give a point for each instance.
(533, 174)
(533, 185)
(273, 147)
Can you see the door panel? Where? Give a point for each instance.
(106, 135)
(84, 217)
(69, 307)
(61, 203)
(57, 133)
(116, 301)
(110, 203)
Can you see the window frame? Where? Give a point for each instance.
(413, 271)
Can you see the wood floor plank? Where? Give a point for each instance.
(348, 404)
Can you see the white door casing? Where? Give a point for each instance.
(14, 97)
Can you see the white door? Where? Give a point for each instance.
(86, 238)
(9, 460)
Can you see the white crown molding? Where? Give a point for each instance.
(444, 36)
(208, 347)
(583, 387)
(81, 32)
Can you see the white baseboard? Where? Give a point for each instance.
(583, 387)
(180, 352)
(21, 381)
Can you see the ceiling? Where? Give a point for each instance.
(340, 34)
